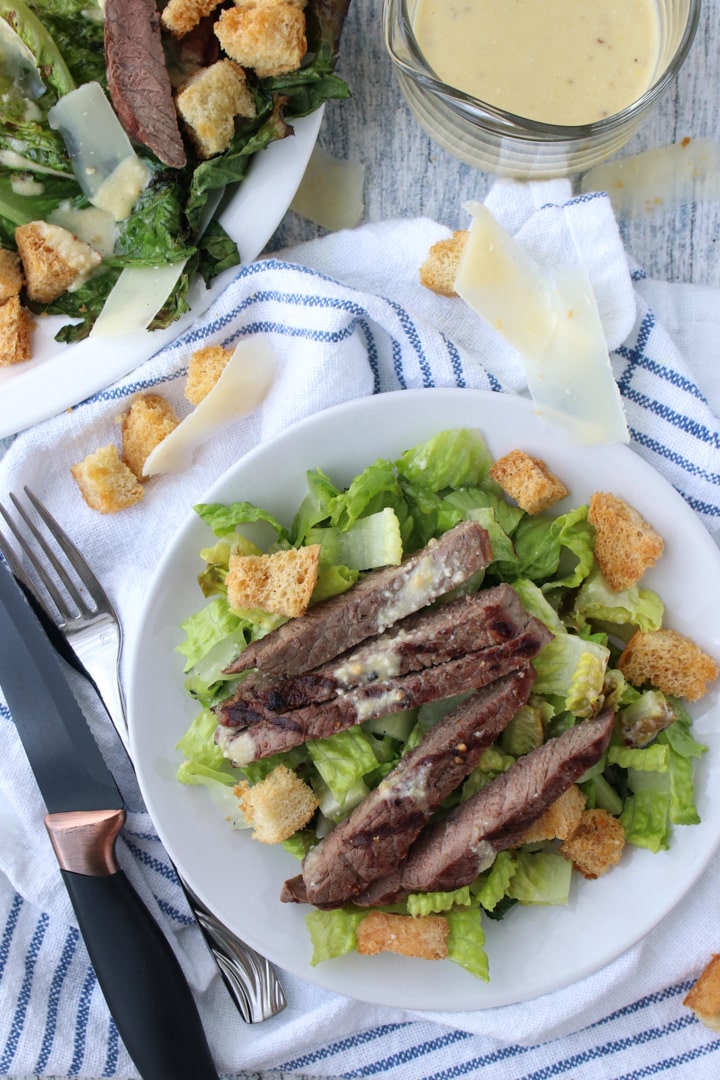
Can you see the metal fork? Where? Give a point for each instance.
(85, 629)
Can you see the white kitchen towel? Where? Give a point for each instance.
(347, 317)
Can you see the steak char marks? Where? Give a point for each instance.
(371, 842)
(452, 852)
(138, 81)
(373, 604)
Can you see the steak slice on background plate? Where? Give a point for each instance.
(378, 833)
(281, 731)
(376, 601)
(429, 637)
(138, 80)
(452, 852)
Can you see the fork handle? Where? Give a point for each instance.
(137, 970)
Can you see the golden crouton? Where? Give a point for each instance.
(703, 997)
(625, 544)
(180, 16)
(208, 103)
(596, 845)
(424, 936)
(439, 270)
(281, 583)
(205, 367)
(54, 260)
(277, 806)
(669, 661)
(11, 277)
(265, 35)
(16, 324)
(528, 481)
(560, 820)
(145, 424)
(106, 483)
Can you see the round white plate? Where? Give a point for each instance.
(59, 376)
(533, 950)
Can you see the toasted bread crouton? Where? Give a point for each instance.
(16, 325)
(265, 35)
(596, 845)
(208, 103)
(439, 270)
(54, 260)
(625, 544)
(205, 367)
(11, 276)
(145, 424)
(669, 661)
(703, 997)
(106, 483)
(180, 16)
(281, 583)
(528, 481)
(424, 936)
(277, 806)
(560, 820)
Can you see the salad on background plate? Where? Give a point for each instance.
(429, 475)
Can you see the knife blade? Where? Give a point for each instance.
(137, 970)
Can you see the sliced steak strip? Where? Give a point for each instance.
(428, 637)
(377, 601)
(138, 80)
(377, 835)
(281, 731)
(452, 852)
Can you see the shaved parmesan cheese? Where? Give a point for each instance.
(550, 316)
(135, 299)
(242, 386)
(331, 191)
(95, 227)
(107, 168)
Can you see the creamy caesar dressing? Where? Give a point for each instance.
(555, 61)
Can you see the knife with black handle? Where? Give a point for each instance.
(138, 972)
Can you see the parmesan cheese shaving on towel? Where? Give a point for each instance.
(551, 317)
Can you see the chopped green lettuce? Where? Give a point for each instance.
(333, 933)
(540, 877)
(433, 903)
(596, 601)
(466, 942)
(342, 760)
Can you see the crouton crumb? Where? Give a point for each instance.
(54, 260)
(277, 806)
(668, 661)
(281, 582)
(625, 544)
(265, 35)
(596, 845)
(208, 103)
(106, 483)
(16, 325)
(179, 17)
(424, 936)
(560, 820)
(439, 270)
(145, 424)
(205, 367)
(528, 481)
(703, 997)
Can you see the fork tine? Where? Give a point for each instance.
(14, 564)
(74, 556)
(37, 564)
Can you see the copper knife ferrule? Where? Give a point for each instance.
(84, 840)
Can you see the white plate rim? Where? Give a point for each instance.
(58, 376)
(401, 418)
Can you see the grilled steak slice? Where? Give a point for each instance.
(452, 852)
(422, 640)
(138, 81)
(280, 731)
(377, 601)
(377, 835)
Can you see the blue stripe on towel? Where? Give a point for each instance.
(56, 985)
(23, 999)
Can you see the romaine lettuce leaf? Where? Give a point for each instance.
(597, 601)
(451, 459)
(466, 942)
(433, 903)
(333, 933)
(540, 878)
(342, 760)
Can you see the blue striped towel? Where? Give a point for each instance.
(347, 317)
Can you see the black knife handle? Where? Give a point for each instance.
(141, 979)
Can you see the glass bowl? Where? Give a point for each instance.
(497, 141)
